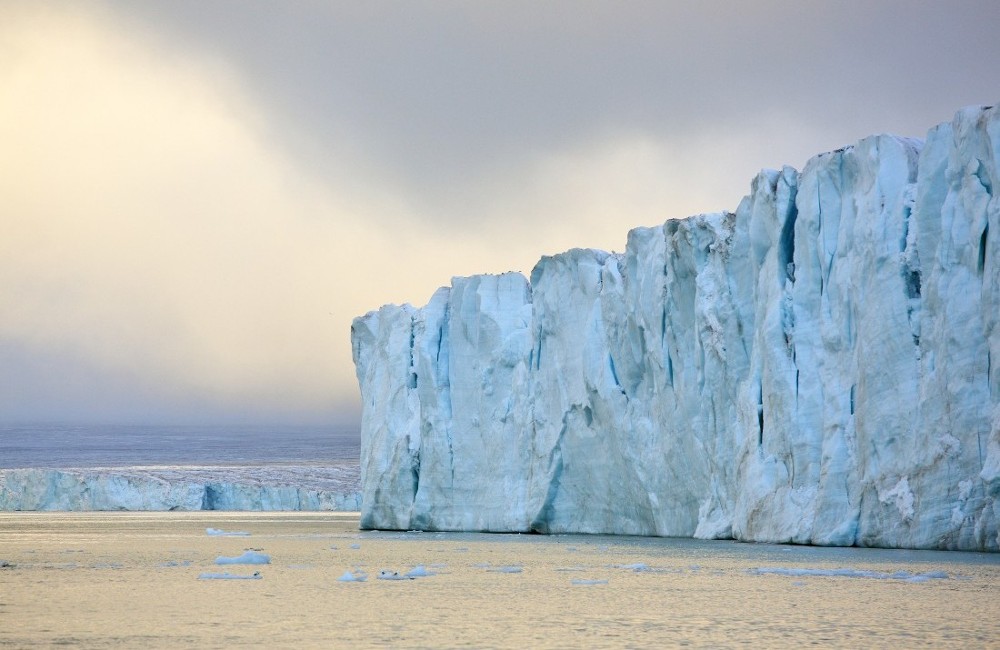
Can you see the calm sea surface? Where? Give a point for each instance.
(62, 445)
(98, 580)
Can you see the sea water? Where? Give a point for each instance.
(122, 445)
(137, 580)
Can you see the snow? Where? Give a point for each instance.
(248, 557)
(816, 367)
(287, 487)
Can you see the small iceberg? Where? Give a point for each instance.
(506, 569)
(230, 576)
(351, 577)
(798, 572)
(215, 532)
(589, 582)
(250, 557)
(419, 571)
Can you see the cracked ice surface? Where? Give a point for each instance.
(817, 367)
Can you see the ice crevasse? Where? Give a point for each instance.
(820, 367)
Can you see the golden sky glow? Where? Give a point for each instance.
(158, 232)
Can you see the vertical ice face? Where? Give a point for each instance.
(446, 420)
(817, 367)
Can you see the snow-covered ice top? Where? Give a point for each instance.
(821, 366)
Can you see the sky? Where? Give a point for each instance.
(196, 198)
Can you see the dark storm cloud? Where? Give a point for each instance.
(438, 97)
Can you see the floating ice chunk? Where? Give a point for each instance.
(351, 577)
(637, 567)
(589, 582)
(419, 571)
(506, 569)
(355, 546)
(215, 532)
(173, 563)
(249, 557)
(230, 576)
(851, 573)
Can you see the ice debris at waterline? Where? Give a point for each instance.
(905, 576)
(216, 532)
(360, 576)
(249, 557)
(820, 367)
(230, 576)
(291, 487)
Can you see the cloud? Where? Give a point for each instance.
(162, 251)
(195, 199)
(150, 231)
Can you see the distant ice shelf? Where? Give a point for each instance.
(335, 487)
(821, 366)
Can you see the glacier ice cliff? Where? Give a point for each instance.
(182, 488)
(815, 368)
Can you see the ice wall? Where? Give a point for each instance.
(181, 488)
(815, 368)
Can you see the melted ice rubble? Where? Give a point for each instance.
(357, 576)
(506, 569)
(216, 532)
(230, 576)
(905, 576)
(419, 571)
(249, 557)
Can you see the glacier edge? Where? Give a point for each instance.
(821, 366)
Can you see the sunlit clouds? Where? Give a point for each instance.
(191, 215)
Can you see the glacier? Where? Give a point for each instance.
(813, 368)
(280, 487)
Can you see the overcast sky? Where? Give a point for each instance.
(197, 197)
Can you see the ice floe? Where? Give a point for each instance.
(230, 576)
(905, 576)
(216, 532)
(353, 577)
(249, 557)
